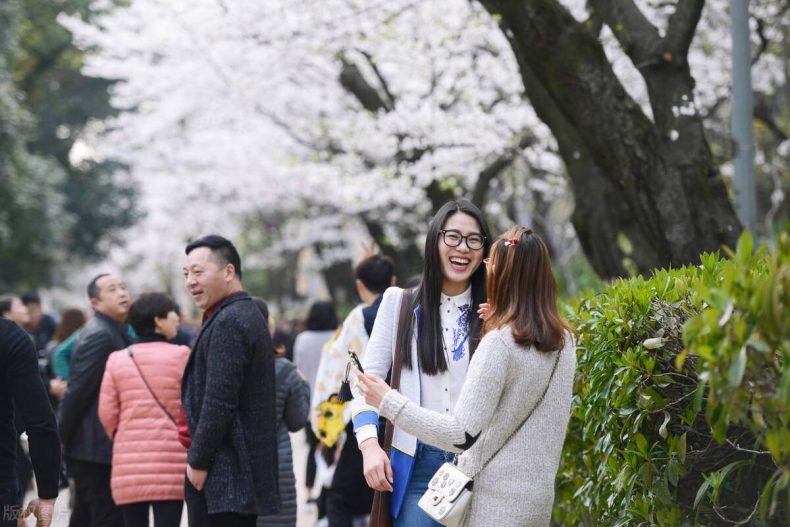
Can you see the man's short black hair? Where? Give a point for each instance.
(375, 272)
(222, 249)
(146, 308)
(93, 288)
(31, 298)
(5, 303)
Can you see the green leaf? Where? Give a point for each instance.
(662, 431)
(773, 442)
(745, 246)
(758, 345)
(701, 491)
(641, 443)
(682, 448)
(728, 310)
(672, 473)
(765, 497)
(680, 360)
(738, 368)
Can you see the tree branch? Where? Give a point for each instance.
(355, 83)
(764, 42)
(492, 171)
(438, 194)
(763, 112)
(595, 23)
(382, 80)
(637, 36)
(683, 25)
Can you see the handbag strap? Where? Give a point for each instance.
(131, 356)
(543, 395)
(397, 362)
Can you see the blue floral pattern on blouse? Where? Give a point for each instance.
(461, 332)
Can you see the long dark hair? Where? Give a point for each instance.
(522, 291)
(428, 295)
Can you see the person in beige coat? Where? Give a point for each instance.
(527, 351)
(139, 403)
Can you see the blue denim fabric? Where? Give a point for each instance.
(427, 462)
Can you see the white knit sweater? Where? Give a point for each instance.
(503, 384)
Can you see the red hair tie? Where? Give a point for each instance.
(511, 241)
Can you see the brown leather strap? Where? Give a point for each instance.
(397, 363)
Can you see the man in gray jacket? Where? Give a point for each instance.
(85, 444)
(228, 396)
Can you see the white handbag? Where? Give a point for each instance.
(448, 495)
(450, 490)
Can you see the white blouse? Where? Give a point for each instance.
(440, 392)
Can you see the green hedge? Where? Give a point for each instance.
(682, 398)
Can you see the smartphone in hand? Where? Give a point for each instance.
(352, 357)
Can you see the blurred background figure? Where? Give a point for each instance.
(41, 326)
(139, 403)
(284, 336)
(349, 498)
(184, 335)
(320, 326)
(85, 445)
(57, 367)
(22, 393)
(293, 406)
(71, 321)
(12, 308)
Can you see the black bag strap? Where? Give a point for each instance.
(162, 406)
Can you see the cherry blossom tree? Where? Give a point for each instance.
(299, 119)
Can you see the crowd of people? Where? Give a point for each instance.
(473, 366)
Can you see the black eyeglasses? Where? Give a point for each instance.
(453, 238)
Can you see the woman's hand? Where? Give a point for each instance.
(373, 388)
(376, 465)
(484, 311)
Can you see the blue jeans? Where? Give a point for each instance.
(427, 461)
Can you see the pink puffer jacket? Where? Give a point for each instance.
(148, 462)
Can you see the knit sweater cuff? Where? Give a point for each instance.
(392, 404)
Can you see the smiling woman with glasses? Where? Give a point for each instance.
(508, 425)
(433, 344)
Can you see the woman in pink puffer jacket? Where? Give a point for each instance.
(139, 403)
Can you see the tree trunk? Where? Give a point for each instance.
(339, 278)
(651, 189)
(408, 258)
